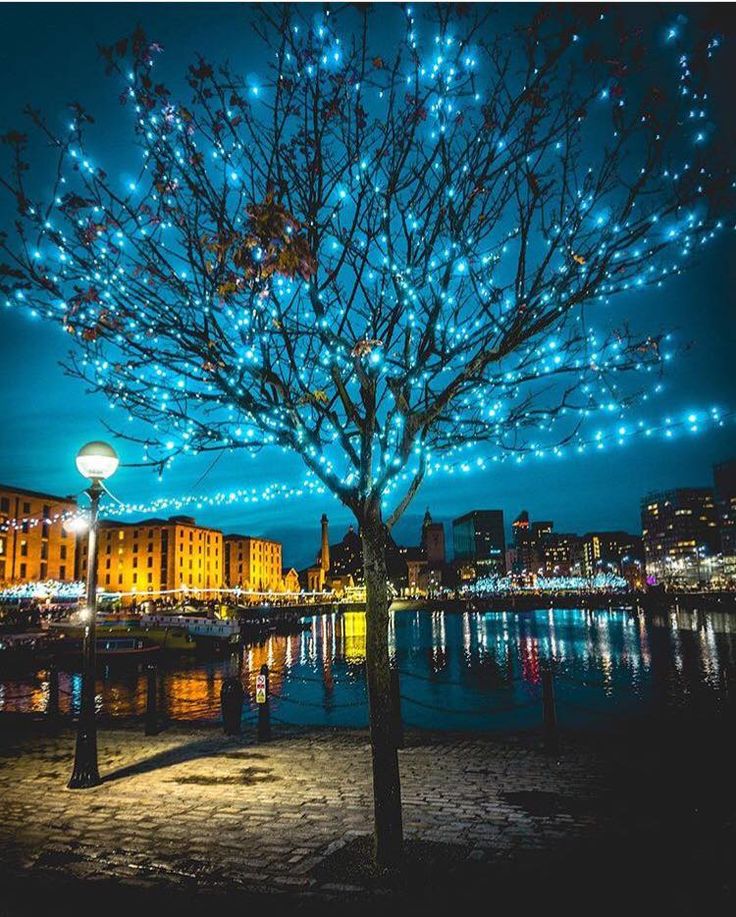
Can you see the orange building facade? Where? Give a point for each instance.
(39, 547)
(156, 555)
(253, 563)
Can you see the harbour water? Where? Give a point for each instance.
(457, 671)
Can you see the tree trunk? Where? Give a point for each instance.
(386, 782)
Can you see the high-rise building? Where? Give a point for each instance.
(559, 553)
(479, 542)
(610, 552)
(529, 538)
(156, 555)
(253, 563)
(38, 546)
(680, 534)
(724, 477)
(523, 543)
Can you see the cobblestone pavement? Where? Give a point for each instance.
(193, 807)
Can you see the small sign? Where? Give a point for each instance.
(260, 689)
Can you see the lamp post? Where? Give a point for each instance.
(95, 461)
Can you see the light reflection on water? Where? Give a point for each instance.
(458, 671)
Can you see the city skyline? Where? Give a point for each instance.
(44, 428)
(449, 523)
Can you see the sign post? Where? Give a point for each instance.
(264, 713)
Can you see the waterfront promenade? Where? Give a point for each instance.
(190, 817)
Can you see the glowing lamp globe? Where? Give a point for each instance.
(97, 461)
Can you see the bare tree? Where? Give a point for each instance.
(390, 252)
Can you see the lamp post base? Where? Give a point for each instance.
(85, 774)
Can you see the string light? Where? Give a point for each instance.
(437, 309)
(600, 583)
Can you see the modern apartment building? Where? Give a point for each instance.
(680, 533)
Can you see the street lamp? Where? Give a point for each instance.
(95, 461)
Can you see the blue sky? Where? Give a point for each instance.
(48, 55)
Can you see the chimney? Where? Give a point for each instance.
(324, 555)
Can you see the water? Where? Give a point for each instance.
(458, 671)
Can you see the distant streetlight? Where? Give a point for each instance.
(95, 461)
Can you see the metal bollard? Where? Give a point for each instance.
(152, 702)
(262, 699)
(551, 732)
(52, 707)
(397, 724)
(231, 701)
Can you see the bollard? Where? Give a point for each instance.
(52, 707)
(551, 734)
(263, 700)
(163, 707)
(152, 702)
(231, 700)
(397, 725)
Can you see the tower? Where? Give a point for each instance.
(433, 540)
(324, 554)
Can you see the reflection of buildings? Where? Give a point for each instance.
(253, 563)
(479, 543)
(155, 555)
(37, 547)
(353, 629)
(680, 533)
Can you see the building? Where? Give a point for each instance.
(252, 563)
(433, 540)
(610, 552)
(38, 546)
(316, 575)
(479, 543)
(417, 580)
(559, 552)
(346, 557)
(156, 555)
(339, 566)
(528, 550)
(680, 532)
(724, 477)
(523, 551)
(290, 579)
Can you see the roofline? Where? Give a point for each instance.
(235, 537)
(70, 498)
(658, 494)
(172, 521)
(472, 512)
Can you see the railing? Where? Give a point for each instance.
(257, 710)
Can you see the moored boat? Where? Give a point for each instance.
(208, 632)
(109, 648)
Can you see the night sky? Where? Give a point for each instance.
(48, 57)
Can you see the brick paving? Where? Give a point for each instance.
(264, 812)
(191, 808)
